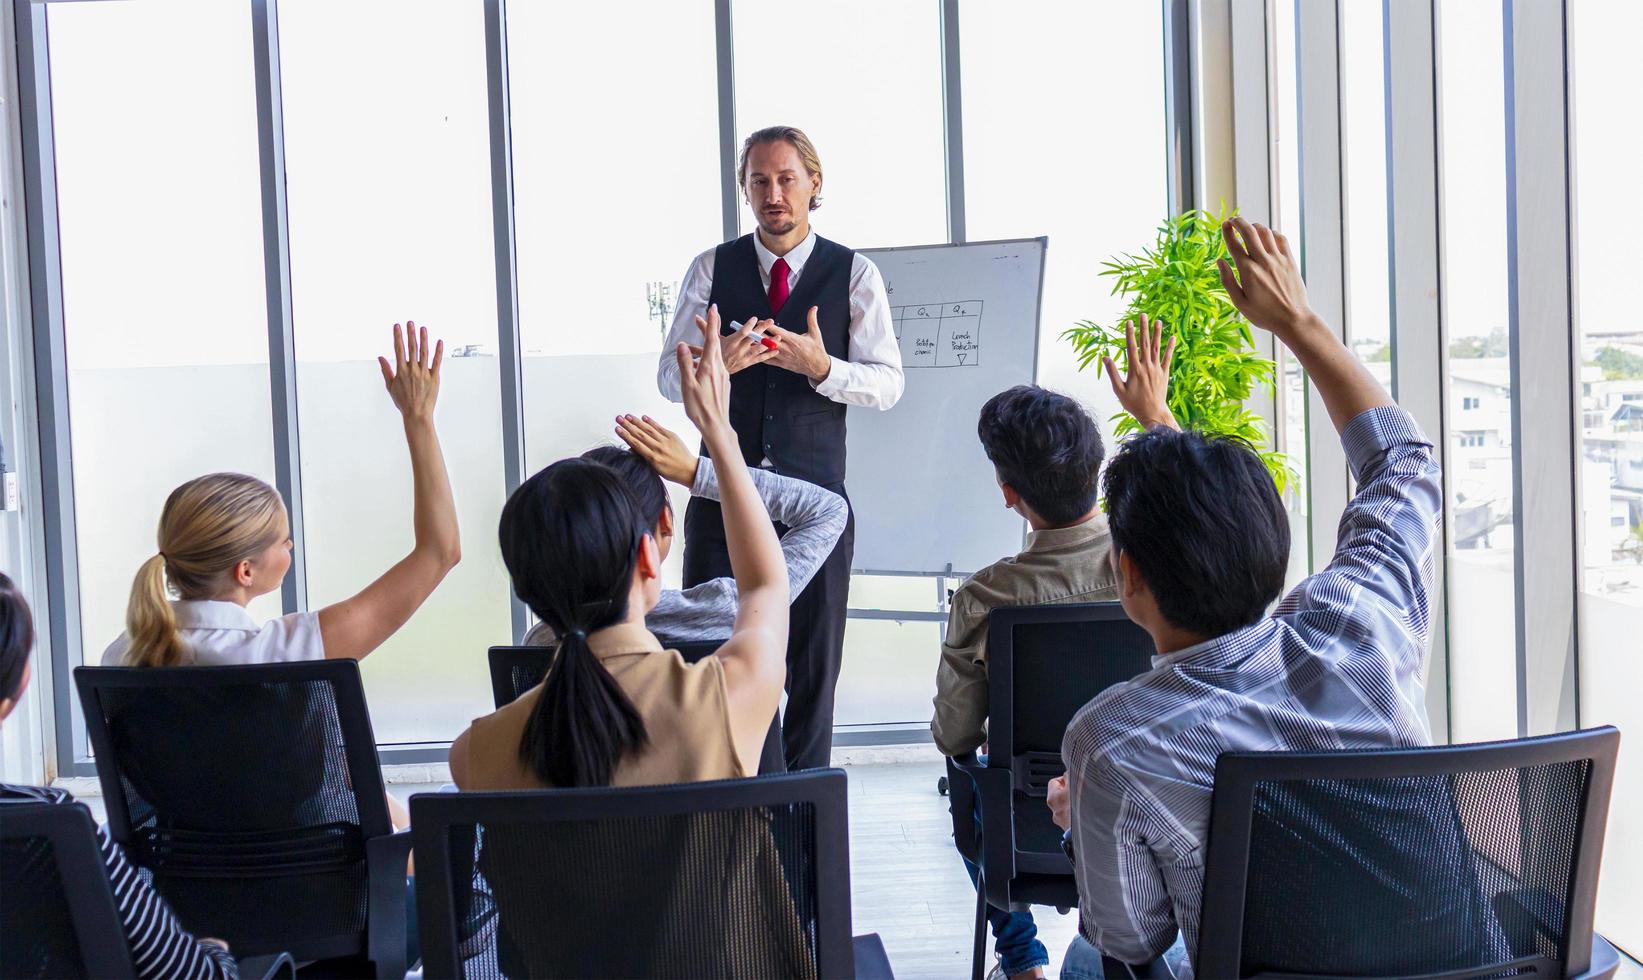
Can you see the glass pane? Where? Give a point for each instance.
(1012, 55)
(1610, 598)
(604, 238)
(862, 78)
(1363, 150)
(1481, 588)
(160, 216)
(386, 140)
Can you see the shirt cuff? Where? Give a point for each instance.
(833, 384)
(1376, 431)
(706, 483)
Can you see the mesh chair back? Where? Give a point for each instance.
(739, 878)
(57, 913)
(1044, 663)
(515, 670)
(244, 790)
(1471, 860)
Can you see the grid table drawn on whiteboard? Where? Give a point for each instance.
(939, 335)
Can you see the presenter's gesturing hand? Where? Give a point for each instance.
(742, 349)
(802, 353)
(1144, 391)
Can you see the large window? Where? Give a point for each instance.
(161, 247)
(1286, 218)
(607, 227)
(862, 78)
(1482, 612)
(1363, 179)
(1609, 450)
(388, 176)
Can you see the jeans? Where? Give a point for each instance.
(1083, 961)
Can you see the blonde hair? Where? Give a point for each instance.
(208, 526)
(794, 137)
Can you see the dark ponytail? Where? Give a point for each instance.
(570, 537)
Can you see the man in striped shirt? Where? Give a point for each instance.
(1200, 545)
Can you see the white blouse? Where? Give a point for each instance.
(220, 634)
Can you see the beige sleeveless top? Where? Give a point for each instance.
(685, 708)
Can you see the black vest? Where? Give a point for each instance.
(776, 414)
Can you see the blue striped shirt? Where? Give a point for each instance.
(1339, 664)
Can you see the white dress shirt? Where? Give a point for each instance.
(219, 634)
(871, 377)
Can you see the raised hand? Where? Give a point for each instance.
(1144, 392)
(704, 381)
(1268, 288)
(659, 446)
(413, 379)
(802, 353)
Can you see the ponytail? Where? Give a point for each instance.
(583, 722)
(570, 538)
(151, 625)
(208, 525)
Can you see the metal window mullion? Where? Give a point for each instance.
(952, 113)
(1544, 361)
(1414, 271)
(45, 284)
(510, 361)
(1178, 103)
(1323, 250)
(276, 252)
(724, 48)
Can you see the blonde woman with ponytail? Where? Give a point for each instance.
(224, 539)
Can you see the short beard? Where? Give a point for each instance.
(771, 229)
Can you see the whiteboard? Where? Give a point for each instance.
(925, 497)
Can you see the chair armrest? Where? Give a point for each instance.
(268, 967)
(385, 859)
(872, 962)
(993, 788)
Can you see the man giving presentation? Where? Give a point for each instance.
(815, 336)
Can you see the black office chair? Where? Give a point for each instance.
(515, 670)
(1043, 664)
(738, 878)
(253, 796)
(57, 907)
(1454, 861)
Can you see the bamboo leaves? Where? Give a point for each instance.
(1216, 367)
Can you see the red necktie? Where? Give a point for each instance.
(778, 286)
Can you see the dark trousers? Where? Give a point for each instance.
(815, 635)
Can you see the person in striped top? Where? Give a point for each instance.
(1200, 544)
(160, 947)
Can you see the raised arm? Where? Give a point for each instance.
(755, 657)
(1144, 390)
(354, 627)
(1269, 291)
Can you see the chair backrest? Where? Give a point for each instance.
(57, 912)
(1464, 860)
(515, 670)
(736, 878)
(1043, 664)
(249, 793)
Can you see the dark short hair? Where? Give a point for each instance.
(1046, 448)
(16, 637)
(646, 486)
(1202, 520)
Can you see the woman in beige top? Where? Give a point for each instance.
(615, 708)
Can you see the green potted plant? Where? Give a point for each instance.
(1216, 365)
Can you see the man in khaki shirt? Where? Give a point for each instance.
(1047, 452)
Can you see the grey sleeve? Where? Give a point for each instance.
(814, 517)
